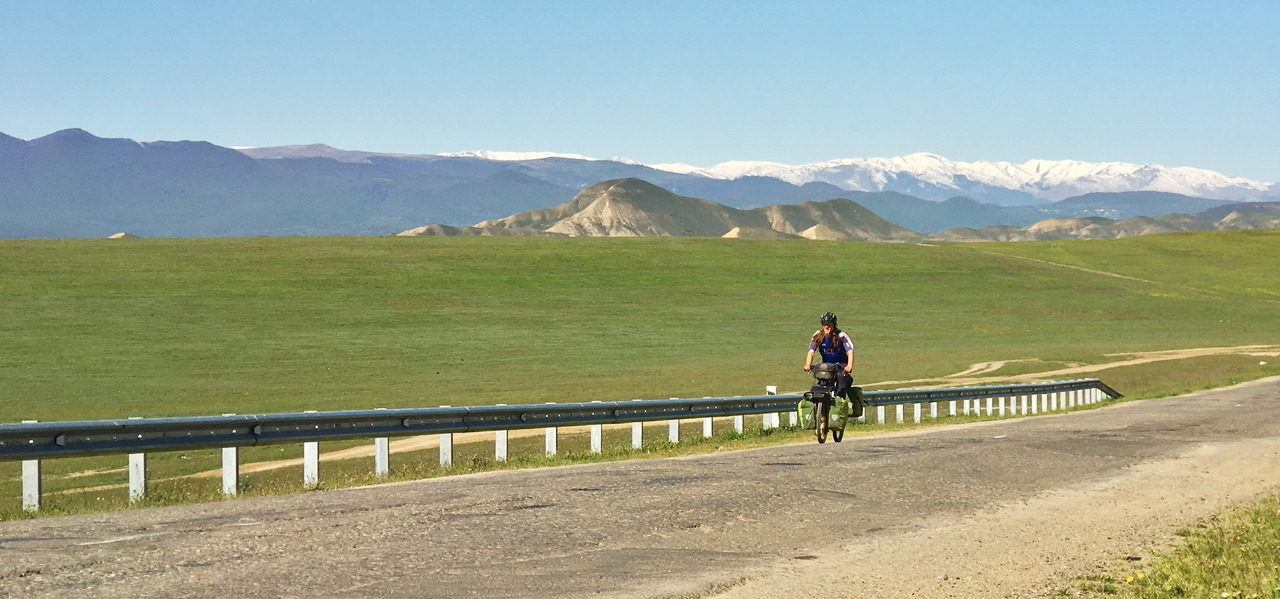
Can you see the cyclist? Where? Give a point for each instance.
(835, 347)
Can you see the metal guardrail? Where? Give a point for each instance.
(33, 441)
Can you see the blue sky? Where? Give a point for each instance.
(1174, 83)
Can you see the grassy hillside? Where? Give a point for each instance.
(148, 327)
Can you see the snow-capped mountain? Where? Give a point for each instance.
(936, 177)
(500, 156)
(74, 184)
(924, 175)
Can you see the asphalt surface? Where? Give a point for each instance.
(684, 527)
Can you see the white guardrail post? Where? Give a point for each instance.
(673, 430)
(31, 481)
(500, 443)
(137, 473)
(311, 462)
(230, 469)
(597, 436)
(446, 448)
(772, 419)
(637, 433)
(381, 455)
(552, 440)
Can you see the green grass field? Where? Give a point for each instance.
(149, 327)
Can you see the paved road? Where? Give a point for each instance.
(688, 527)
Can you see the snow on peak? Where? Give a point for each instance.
(678, 168)
(939, 177)
(514, 156)
(1046, 179)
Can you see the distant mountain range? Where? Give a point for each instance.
(635, 208)
(74, 184)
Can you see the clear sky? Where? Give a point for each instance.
(1167, 82)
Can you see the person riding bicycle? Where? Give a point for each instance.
(835, 347)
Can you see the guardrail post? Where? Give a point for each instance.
(381, 455)
(673, 429)
(707, 427)
(1002, 406)
(775, 417)
(880, 414)
(990, 412)
(739, 423)
(966, 407)
(31, 481)
(597, 434)
(637, 433)
(552, 439)
(311, 462)
(446, 448)
(916, 412)
(500, 444)
(137, 473)
(230, 469)
(897, 412)
(933, 410)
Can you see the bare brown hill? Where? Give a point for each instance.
(633, 208)
(1097, 227)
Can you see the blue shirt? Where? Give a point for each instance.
(834, 350)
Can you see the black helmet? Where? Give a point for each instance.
(828, 318)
